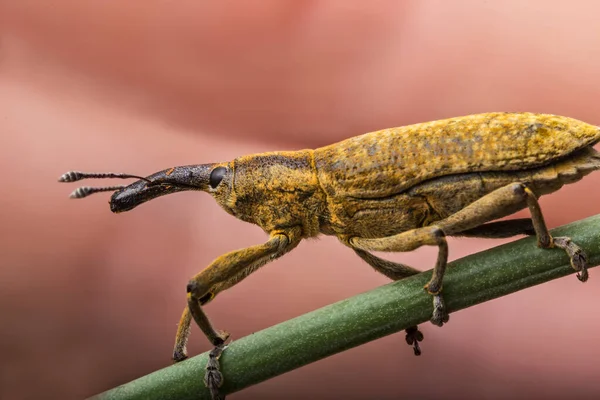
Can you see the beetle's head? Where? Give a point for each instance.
(215, 179)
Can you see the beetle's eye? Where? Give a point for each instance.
(216, 176)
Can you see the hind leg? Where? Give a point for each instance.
(576, 254)
(497, 204)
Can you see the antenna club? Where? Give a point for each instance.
(71, 176)
(81, 192)
(85, 191)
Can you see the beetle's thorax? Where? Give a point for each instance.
(278, 190)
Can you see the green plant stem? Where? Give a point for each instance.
(368, 316)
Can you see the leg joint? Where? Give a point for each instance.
(192, 287)
(520, 189)
(438, 232)
(439, 236)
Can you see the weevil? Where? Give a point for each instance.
(393, 190)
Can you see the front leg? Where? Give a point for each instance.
(222, 274)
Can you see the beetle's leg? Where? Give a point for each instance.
(395, 271)
(576, 254)
(411, 240)
(499, 203)
(392, 270)
(221, 274)
(516, 193)
(213, 379)
(183, 334)
(501, 229)
(525, 226)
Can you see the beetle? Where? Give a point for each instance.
(392, 190)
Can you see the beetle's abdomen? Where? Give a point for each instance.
(390, 161)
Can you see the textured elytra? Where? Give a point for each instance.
(389, 161)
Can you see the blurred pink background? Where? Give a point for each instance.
(90, 300)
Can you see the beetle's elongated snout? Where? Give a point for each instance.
(172, 180)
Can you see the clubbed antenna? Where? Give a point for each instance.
(85, 191)
(80, 193)
(73, 176)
